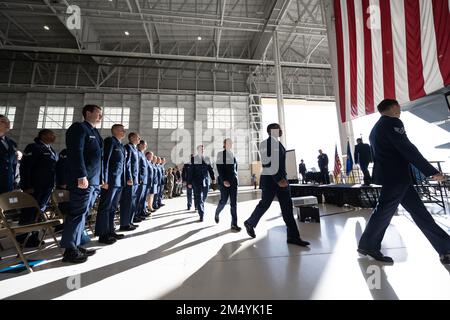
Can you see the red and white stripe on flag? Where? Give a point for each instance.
(337, 163)
(398, 49)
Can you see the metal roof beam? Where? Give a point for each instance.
(219, 33)
(168, 57)
(148, 32)
(14, 22)
(261, 41)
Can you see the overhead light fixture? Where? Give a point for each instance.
(199, 38)
(127, 33)
(46, 27)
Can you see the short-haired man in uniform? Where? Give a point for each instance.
(114, 180)
(8, 158)
(84, 163)
(274, 182)
(37, 177)
(128, 199)
(393, 153)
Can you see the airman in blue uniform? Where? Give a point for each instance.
(184, 175)
(228, 182)
(162, 182)
(157, 184)
(84, 159)
(273, 182)
(151, 183)
(8, 158)
(114, 155)
(61, 170)
(393, 153)
(143, 182)
(128, 200)
(37, 177)
(198, 179)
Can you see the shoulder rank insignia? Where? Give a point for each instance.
(400, 130)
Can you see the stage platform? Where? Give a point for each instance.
(340, 194)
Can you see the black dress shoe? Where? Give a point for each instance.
(188, 208)
(445, 259)
(250, 230)
(106, 239)
(201, 219)
(236, 228)
(134, 225)
(74, 256)
(216, 218)
(137, 220)
(161, 205)
(117, 236)
(298, 242)
(87, 252)
(376, 254)
(127, 228)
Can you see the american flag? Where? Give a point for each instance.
(337, 164)
(398, 49)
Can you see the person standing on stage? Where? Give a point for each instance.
(393, 153)
(363, 156)
(302, 170)
(322, 160)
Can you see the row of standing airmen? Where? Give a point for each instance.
(127, 174)
(120, 174)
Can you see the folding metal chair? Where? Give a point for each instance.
(59, 197)
(18, 200)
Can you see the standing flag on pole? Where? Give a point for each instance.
(397, 49)
(349, 166)
(337, 164)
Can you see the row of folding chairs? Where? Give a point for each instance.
(45, 222)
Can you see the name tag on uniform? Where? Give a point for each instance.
(93, 137)
(13, 200)
(117, 149)
(47, 153)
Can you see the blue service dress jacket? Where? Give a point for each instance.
(114, 156)
(38, 166)
(84, 153)
(8, 164)
(393, 153)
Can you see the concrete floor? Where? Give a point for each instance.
(172, 256)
